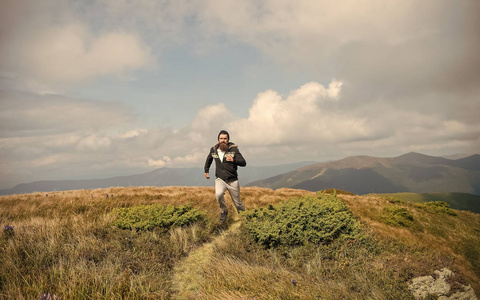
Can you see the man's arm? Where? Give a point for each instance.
(238, 159)
(208, 163)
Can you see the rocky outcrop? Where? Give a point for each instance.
(438, 285)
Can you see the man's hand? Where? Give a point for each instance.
(207, 176)
(229, 158)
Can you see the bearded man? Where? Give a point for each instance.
(227, 158)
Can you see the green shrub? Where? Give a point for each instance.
(441, 207)
(145, 217)
(395, 215)
(316, 220)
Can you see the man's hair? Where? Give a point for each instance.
(223, 132)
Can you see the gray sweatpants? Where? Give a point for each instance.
(233, 188)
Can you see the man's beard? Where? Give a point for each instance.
(223, 147)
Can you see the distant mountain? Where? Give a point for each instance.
(158, 177)
(458, 155)
(412, 172)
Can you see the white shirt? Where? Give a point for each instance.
(221, 154)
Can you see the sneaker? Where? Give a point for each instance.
(223, 216)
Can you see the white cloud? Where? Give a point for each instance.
(159, 163)
(94, 142)
(72, 54)
(45, 47)
(133, 133)
(278, 27)
(298, 118)
(189, 159)
(27, 114)
(48, 160)
(211, 117)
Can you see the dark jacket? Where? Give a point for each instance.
(225, 170)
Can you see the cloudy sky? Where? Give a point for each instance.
(93, 89)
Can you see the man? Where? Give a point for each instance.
(227, 158)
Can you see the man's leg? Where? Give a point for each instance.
(220, 188)
(234, 190)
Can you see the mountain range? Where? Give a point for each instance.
(411, 172)
(157, 177)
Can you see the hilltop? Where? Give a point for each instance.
(67, 244)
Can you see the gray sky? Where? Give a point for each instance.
(93, 89)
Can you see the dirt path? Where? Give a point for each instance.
(188, 274)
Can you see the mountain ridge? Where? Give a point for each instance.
(159, 177)
(411, 172)
(361, 174)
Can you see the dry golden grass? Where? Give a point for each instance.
(445, 239)
(91, 203)
(64, 243)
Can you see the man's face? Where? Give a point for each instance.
(223, 142)
(223, 138)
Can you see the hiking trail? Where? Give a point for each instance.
(188, 274)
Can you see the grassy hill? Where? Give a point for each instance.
(73, 245)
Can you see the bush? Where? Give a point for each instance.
(395, 215)
(316, 220)
(440, 207)
(145, 217)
